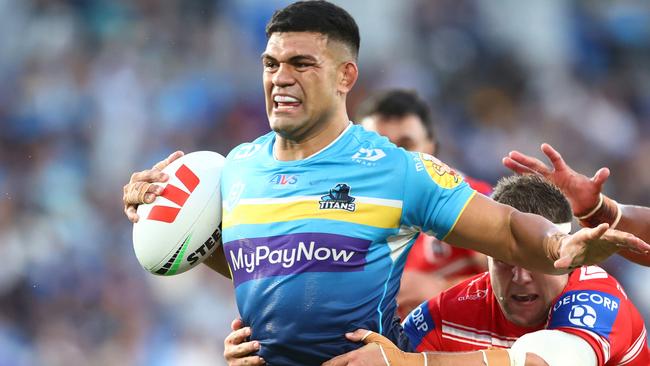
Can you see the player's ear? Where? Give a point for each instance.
(348, 75)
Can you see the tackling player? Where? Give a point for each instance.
(582, 319)
(318, 215)
(589, 204)
(432, 265)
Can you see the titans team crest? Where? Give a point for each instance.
(338, 198)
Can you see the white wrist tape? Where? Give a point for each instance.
(384, 355)
(619, 213)
(592, 212)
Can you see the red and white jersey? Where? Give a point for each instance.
(429, 254)
(592, 306)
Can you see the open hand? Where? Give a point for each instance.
(594, 245)
(581, 191)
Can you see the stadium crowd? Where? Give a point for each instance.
(86, 82)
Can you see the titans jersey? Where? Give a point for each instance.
(592, 306)
(434, 256)
(316, 247)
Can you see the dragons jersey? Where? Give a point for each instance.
(592, 306)
(316, 247)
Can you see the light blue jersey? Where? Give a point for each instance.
(317, 246)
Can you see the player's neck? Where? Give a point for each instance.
(287, 149)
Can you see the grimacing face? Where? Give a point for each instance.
(524, 296)
(301, 78)
(407, 132)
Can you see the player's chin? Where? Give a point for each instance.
(285, 124)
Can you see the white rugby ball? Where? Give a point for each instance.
(181, 227)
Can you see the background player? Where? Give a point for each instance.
(309, 68)
(588, 202)
(581, 318)
(431, 265)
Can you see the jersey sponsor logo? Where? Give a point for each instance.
(476, 295)
(283, 180)
(418, 324)
(246, 151)
(257, 258)
(368, 155)
(338, 198)
(440, 172)
(583, 316)
(587, 309)
(178, 196)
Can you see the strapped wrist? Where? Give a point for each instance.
(607, 211)
(553, 244)
(601, 198)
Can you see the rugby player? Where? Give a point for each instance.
(589, 204)
(527, 318)
(432, 265)
(319, 214)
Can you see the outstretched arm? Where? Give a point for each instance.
(533, 242)
(585, 196)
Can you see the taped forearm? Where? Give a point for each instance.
(537, 242)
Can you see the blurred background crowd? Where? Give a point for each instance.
(91, 91)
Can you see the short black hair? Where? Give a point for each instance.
(320, 17)
(398, 103)
(533, 194)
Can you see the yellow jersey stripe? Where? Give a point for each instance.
(380, 216)
(357, 199)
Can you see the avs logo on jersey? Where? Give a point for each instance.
(338, 199)
(283, 180)
(595, 311)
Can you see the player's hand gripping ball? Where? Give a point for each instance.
(181, 227)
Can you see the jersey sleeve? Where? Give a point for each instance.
(434, 195)
(596, 312)
(423, 326)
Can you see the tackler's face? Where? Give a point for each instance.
(300, 81)
(524, 296)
